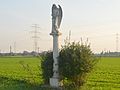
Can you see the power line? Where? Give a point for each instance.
(35, 36)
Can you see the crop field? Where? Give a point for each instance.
(23, 73)
(20, 73)
(106, 75)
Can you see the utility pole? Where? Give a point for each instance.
(14, 47)
(117, 42)
(10, 49)
(35, 36)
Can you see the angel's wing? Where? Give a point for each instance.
(60, 16)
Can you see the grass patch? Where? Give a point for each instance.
(106, 75)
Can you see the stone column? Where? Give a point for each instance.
(54, 81)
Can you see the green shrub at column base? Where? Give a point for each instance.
(75, 61)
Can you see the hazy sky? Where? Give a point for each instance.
(99, 20)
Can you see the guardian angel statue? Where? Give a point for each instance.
(56, 18)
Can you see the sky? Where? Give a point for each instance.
(97, 20)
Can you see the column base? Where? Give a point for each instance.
(54, 82)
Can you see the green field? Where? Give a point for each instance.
(106, 75)
(19, 73)
(23, 73)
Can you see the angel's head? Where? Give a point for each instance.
(55, 10)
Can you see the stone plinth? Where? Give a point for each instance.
(54, 82)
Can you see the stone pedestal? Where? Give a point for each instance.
(54, 81)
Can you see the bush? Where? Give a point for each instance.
(75, 61)
(47, 66)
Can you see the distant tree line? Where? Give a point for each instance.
(109, 53)
(24, 53)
